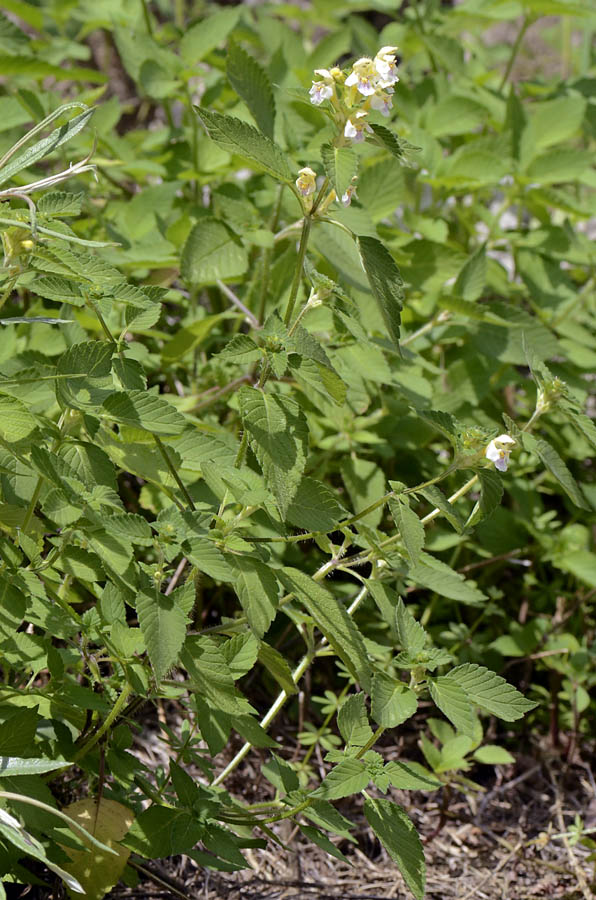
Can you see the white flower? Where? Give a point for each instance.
(363, 76)
(346, 197)
(322, 90)
(382, 101)
(385, 67)
(499, 450)
(355, 127)
(306, 182)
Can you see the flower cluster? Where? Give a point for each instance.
(499, 451)
(368, 86)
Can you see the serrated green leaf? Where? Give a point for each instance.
(410, 633)
(322, 841)
(410, 527)
(385, 282)
(436, 575)
(142, 410)
(256, 587)
(60, 203)
(341, 164)
(471, 281)
(277, 666)
(241, 349)
(82, 564)
(348, 777)
(208, 558)
(490, 497)
(55, 287)
(493, 756)
(279, 435)
(207, 34)
(452, 700)
(435, 495)
(88, 368)
(314, 507)
(491, 692)
(410, 776)
(310, 373)
(558, 469)
(163, 625)
(332, 620)
(212, 253)
(47, 145)
(398, 835)
(210, 675)
(243, 140)
(251, 82)
(442, 421)
(352, 721)
(391, 701)
(580, 420)
(389, 141)
(16, 422)
(114, 550)
(240, 651)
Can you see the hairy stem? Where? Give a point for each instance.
(106, 724)
(306, 224)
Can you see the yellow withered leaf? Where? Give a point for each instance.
(97, 870)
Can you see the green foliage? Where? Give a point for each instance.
(247, 412)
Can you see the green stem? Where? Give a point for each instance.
(309, 535)
(101, 321)
(514, 51)
(289, 813)
(267, 256)
(321, 194)
(237, 463)
(297, 674)
(173, 471)
(371, 742)
(273, 710)
(307, 221)
(367, 510)
(32, 504)
(106, 724)
(147, 18)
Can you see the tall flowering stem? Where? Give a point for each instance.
(306, 225)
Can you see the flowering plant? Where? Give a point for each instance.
(246, 434)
